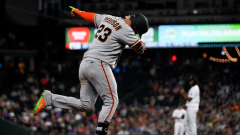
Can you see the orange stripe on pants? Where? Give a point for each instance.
(109, 89)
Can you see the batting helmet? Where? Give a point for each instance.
(139, 24)
(193, 78)
(181, 104)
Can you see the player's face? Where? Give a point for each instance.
(191, 82)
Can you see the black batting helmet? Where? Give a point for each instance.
(181, 104)
(139, 24)
(193, 78)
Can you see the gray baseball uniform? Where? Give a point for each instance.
(95, 72)
(112, 36)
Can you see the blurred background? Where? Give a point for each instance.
(38, 51)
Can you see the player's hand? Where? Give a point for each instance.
(182, 91)
(74, 11)
(139, 48)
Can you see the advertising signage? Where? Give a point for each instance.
(167, 36)
(78, 38)
(195, 35)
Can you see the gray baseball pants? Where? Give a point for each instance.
(96, 79)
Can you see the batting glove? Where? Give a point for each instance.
(75, 11)
(139, 48)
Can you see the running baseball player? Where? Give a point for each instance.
(179, 116)
(95, 72)
(193, 100)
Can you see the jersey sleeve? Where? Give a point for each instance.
(191, 93)
(85, 15)
(98, 19)
(174, 114)
(128, 37)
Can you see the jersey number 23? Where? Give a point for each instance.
(107, 32)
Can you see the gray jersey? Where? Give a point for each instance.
(111, 38)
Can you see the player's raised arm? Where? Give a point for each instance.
(91, 17)
(85, 15)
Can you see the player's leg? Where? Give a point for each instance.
(186, 124)
(106, 86)
(109, 94)
(176, 128)
(88, 96)
(195, 110)
(181, 129)
(86, 102)
(192, 112)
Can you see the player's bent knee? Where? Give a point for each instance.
(86, 106)
(87, 109)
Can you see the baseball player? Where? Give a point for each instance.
(95, 72)
(193, 100)
(179, 118)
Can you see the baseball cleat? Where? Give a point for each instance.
(40, 105)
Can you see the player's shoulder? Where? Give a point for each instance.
(125, 26)
(178, 110)
(103, 17)
(106, 15)
(195, 87)
(118, 23)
